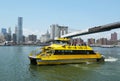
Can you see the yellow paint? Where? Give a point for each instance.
(48, 53)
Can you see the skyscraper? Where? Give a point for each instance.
(9, 31)
(14, 38)
(4, 31)
(20, 31)
(114, 36)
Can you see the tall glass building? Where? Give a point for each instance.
(20, 31)
(4, 31)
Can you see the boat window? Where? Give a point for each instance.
(91, 52)
(73, 52)
(49, 51)
(60, 42)
(57, 42)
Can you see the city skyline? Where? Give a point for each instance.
(85, 37)
(40, 14)
(110, 36)
(18, 38)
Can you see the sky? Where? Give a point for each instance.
(38, 15)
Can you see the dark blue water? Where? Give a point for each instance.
(15, 66)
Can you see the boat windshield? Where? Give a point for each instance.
(61, 42)
(36, 52)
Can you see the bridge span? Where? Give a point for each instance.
(95, 29)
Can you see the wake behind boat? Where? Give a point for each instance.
(107, 46)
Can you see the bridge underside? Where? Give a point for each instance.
(96, 29)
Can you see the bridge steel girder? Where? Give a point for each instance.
(95, 29)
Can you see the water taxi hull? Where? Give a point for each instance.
(65, 61)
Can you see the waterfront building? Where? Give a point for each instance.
(77, 41)
(102, 41)
(45, 37)
(23, 38)
(91, 41)
(57, 31)
(9, 37)
(32, 38)
(20, 31)
(114, 36)
(113, 39)
(14, 38)
(9, 31)
(26, 40)
(2, 39)
(4, 31)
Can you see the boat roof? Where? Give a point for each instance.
(67, 47)
(62, 39)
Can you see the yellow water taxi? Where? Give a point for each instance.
(62, 52)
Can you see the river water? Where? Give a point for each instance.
(15, 66)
